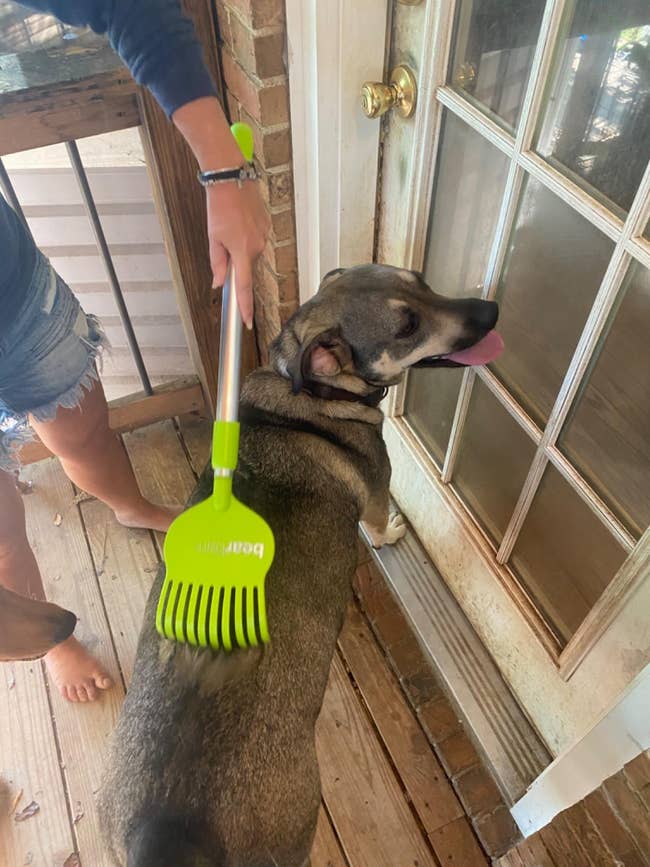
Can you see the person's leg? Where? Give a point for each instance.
(95, 459)
(74, 671)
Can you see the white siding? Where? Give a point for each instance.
(48, 193)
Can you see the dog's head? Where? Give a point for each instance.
(368, 324)
(29, 627)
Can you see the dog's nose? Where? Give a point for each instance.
(483, 314)
(64, 626)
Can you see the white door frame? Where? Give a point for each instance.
(331, 44)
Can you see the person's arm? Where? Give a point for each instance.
(158, 45)
(238, 223)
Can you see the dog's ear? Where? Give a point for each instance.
(322, 354)
(330, 277)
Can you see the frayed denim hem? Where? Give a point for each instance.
(12, 439)
(15, 430)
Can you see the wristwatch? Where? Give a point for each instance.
(247, 172)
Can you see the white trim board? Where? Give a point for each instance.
(618, 737)
(333, 47)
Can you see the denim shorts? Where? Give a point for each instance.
(48, 357)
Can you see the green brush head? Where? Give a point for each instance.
(216, 562)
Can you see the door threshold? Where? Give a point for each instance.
(511, 747)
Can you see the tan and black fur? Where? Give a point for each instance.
(213, 761)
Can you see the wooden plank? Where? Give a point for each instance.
(167, 400)
(55, 95)
(69, 579)
(29, 763)
(363, 796)
(559, 840)
(422, 775)
(326, 851)
(456, 845)
(160, 465)
(589, 836)
(197, 436)
(180, 202)
(533, 853)
(511, 859)
(137, 410)
(126, 562)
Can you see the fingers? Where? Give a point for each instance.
(244, 287)
(219, 263)
(238, 226)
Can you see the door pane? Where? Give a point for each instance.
(564, 555)
(493, 462)
(469, 186)
(555, 264)
(596, 127)
(493, 51)
(608, 436)
(431, 397)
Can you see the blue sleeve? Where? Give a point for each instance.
(154, 39)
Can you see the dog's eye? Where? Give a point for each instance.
(411, 325)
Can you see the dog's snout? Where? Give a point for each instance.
(483, 315)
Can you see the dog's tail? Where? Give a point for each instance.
(168, 841)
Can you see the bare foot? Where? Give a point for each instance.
(76, 673)
(149, 516)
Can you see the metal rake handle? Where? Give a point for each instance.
(229, 352)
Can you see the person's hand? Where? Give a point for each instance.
(238, 226)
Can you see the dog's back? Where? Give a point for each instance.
(213, 758)
(159, 839)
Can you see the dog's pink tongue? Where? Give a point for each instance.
(486, 350)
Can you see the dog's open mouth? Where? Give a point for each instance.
(486, 350)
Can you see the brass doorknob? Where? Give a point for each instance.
(401, 94)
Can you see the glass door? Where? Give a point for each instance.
(540, 131)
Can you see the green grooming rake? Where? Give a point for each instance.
(217, 553)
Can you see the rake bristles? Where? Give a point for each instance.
(207, 616)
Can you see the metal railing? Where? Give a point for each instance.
(102, 246)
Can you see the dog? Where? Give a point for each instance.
(29, 627)
(213, 762)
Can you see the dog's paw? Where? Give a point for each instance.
(388, 535)
(395, 529)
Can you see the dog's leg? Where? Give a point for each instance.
(383, 527)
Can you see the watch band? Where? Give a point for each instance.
(247, 172)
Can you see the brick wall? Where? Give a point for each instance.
(485, 808)
(611, 826)
(255, 73)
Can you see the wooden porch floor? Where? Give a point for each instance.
(386, 799)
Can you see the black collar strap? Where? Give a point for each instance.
(329, 392)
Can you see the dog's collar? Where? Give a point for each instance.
(329, 392)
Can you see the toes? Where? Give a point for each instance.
(81, 693)
(71, 693)
(91, 690)
(103, 681)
